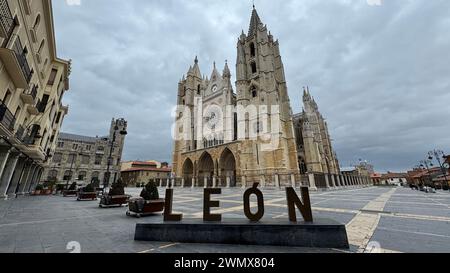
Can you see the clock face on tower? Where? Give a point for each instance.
(214, 89)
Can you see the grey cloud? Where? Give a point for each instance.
(378, 73)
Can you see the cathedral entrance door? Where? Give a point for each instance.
(188, 172)
(205, 170)
(227, 166)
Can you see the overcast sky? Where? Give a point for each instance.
(379, 73)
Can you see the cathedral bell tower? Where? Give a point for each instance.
(261, 83)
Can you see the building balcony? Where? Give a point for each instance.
(28, 140)
(30, 143)
(34, 151)
(33, 109)
(15, 61)
(7, 119)
(32, 134)
(65, 109)
(15, 136)
(7, 22)
(24, 136)
(20, 132)
(29, 97)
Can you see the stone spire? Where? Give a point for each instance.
(306, 94)
(196, 69)
(215, 74)
(226, 71)
(254, 23)
(242, 37)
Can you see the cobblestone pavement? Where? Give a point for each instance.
(377, 219)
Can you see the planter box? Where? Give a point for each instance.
(113, 201)
(87, 196)
(70, 193)
(139, 207)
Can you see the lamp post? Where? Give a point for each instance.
(70, 171)
(437, 154)
(109, 163)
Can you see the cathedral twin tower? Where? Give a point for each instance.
(223, 138)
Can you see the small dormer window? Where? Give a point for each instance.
(254, 92)
(37, 21)
(252, 50)
(41, 46)
(253, 65)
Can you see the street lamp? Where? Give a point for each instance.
(70, 171)
(109, 163)
(74, 156)
(437, 154)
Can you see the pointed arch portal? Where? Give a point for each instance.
(188, 172)
(227, 167)
(205, 169)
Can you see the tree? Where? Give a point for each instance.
(50, 184)
(150, 191)
(73, 186)
(117, 188)
(89, 188)
(95, 182)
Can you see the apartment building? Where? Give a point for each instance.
(33, 81)
(134, 172)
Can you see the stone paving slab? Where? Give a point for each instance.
(47, 224)
(413, 235)
(422, 210)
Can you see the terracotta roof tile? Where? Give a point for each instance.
(393, 175)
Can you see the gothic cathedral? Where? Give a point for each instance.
(227, 138)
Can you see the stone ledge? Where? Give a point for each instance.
(323, 233)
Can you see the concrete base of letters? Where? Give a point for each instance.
(322, 233)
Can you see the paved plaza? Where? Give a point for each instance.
(378, 220)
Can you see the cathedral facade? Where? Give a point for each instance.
(315, 151)
(234, 138)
